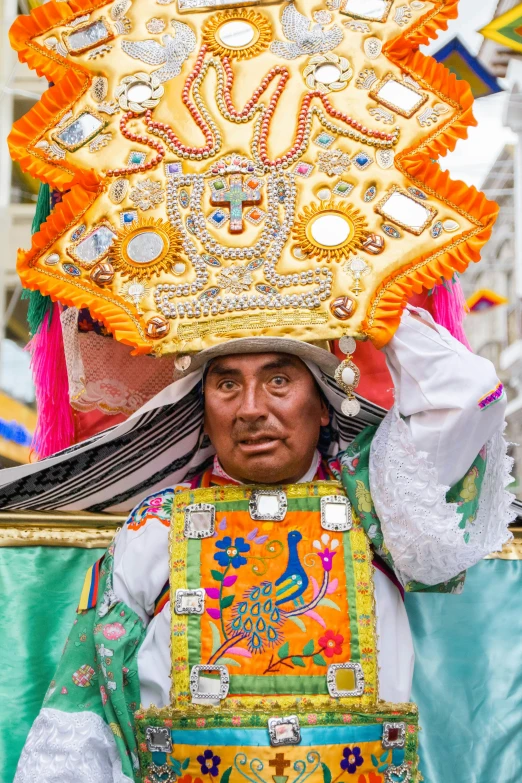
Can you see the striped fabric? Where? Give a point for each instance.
(159, 446)
(162, 598)
(89, 592)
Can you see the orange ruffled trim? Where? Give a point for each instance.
(386, 308)
(389, 300)
(117, 315)
(71, 81)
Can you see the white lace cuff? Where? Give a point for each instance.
(64, 747)
(420, 528)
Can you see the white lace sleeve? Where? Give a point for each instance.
(63, 747)
(420, 529)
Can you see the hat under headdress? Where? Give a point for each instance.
(263, 172)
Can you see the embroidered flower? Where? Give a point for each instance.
(331, 643)
(188, 779)
(326, 555)
(312, 719)
(232, 552)
(236, 720)
(326, 558)
(352, 758)
(209, 763)
(200, 723)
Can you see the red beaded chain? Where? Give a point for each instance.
(229, 81)
(196, 115)
(137, 138)
(303, 116)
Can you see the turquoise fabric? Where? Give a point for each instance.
(40, 588)
(468, 676)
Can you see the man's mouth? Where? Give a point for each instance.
(258, 443)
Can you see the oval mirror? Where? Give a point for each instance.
(145, 247)
(330, 230)
(236, 34)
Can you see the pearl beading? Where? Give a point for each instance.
(259, 145)
(271, 245)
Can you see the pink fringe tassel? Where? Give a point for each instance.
(55, 424)
(449, 308)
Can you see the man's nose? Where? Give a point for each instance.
(251, 406)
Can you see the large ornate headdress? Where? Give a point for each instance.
(261, 169)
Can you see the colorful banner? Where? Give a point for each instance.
(506, 29)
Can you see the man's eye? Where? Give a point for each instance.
(279, 380)
(227, 385)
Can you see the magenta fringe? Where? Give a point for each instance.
(449, 308)
(55, 423)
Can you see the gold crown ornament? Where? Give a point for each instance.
(239, 169)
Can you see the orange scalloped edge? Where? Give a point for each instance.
(55, 102)
(116, 316)
(384, 313)
(71, 80)
(388, 302)
(390, 299)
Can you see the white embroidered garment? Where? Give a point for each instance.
(64, 747)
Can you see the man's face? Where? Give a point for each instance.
(263, 414)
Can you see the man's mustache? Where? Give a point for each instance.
(244, 431)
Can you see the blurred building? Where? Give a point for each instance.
(495, 330)
(20, 88)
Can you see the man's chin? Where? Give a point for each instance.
(264, 466)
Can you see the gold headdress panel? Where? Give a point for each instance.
(261, 170)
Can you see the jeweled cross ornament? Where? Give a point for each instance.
(236, 196)
(280, 764)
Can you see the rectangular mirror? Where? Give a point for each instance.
(87, 37)
(373, 10)
(200, 520)
(405, 211)
(190, 601)
(336, 513)
(78, 132)
(268, 505)
(398, 96)
(93, 246)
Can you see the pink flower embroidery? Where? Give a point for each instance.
(114, 631)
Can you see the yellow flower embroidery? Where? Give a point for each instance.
(469, 487)
(116, 730)
(364, 498)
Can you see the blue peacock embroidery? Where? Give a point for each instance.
(254, 620)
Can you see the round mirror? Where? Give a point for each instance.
(236, 34)
(330, 230)
(139, 92)
(326, 74)
(145, 247)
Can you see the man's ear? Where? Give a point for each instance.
(325, 415)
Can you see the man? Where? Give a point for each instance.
(233, 624)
